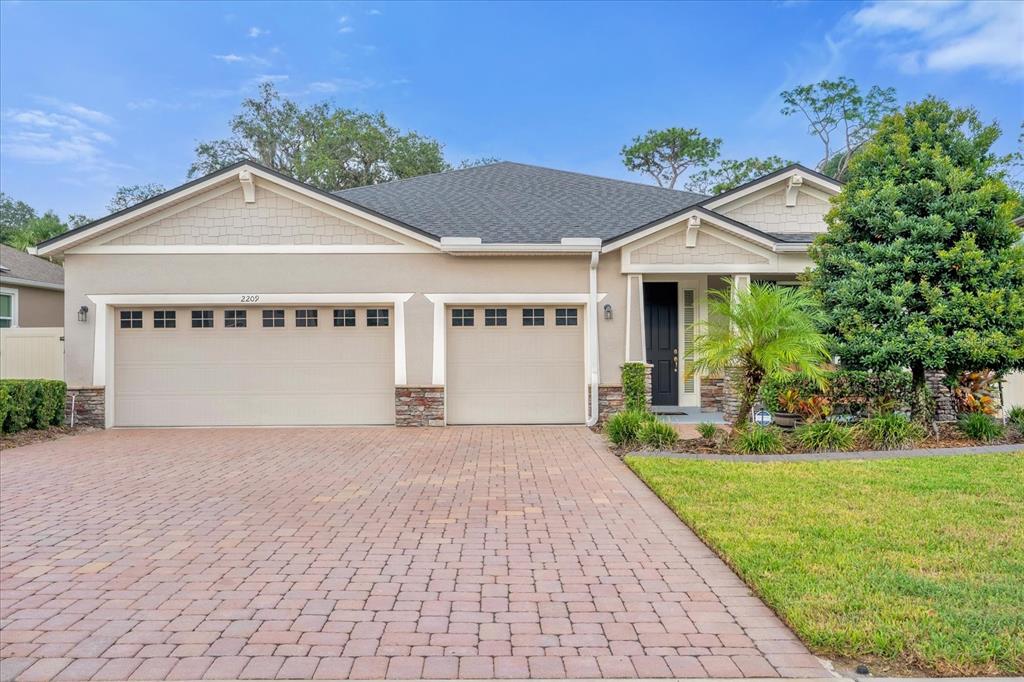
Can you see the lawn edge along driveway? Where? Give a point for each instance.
(912, 565)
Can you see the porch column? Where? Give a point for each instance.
(730, 398)
(634, 318)
(740, 283)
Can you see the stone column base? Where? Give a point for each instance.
(419, 405)
(90, 406)
(610, 399)
(712, 394)
(945, 408)
(648, 389)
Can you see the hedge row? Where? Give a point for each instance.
(35, 403)
(852, 391)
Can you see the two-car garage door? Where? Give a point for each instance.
(253, 366)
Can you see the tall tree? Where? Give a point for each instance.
(840, 116)
(666, 155)
(127, 196)
(731, 173)
(37, 229)
(323, 145)
(922, 266)
(14, 216)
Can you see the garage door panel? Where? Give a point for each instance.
(515, 374)
(254, 375)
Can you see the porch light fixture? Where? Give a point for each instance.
(607, 311)
(83, 313)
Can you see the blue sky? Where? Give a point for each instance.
(96, 95)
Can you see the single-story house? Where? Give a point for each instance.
(504, 293)
(31, 290)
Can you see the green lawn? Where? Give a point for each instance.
(904, 563)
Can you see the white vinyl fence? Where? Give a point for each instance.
(32, 353)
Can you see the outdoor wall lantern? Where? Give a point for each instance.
(83, 313)
(607, 311)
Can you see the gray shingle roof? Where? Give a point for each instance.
(516, 203)
(20, 265)
(795, 237)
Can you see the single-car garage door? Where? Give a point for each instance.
(515, 365)
(253, 366)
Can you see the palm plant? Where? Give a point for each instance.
(763, 331)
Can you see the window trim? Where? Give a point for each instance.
(306, 318)
(563, 319)
(344, 317)
(131, 319)
(381, 314)
(273, 318)
(496, 315)
(203, 318)
(235, 319)
(173, 319)
(463, 317)
(533, 317)
(13, 293)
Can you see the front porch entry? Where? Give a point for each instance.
(671, 311)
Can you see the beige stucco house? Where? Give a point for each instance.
(498, 294)
(31, 290)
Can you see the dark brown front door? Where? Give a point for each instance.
(661, 326)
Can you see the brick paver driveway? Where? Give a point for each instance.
(361, 553)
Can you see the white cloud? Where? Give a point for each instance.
(63, 132)
(375, 13)
(233, 58)
(229, 58)
(256, 32)
(343, 25)
(948, 36)
(341, 85)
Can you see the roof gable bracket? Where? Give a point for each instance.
(692, 228)
(793, 189)
(248, 186)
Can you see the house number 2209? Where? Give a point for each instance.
(253, 298)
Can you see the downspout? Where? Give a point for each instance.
(595, 369)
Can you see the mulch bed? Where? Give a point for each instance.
(9, 441)
(948, 436)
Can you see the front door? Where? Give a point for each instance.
(661, 326)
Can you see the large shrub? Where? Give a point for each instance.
(38, 403)
(623, 428)
(655, 433)
(634, 388)
(890, 431)
(849, 391)
(825, 435)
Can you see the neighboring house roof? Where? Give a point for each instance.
(515, 203)
(18, 267)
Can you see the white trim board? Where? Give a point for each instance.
(30, 283)
(103, 350)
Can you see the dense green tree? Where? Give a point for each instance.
(840, 116)
(323, 145)
(36, 230)
(127, 196)
(922, 266)
(14, 216)
(667, 155)
(732, 173)
(766, 331)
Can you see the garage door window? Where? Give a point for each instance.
(202, 319)
(533, 317)
(377, 317)
(565, 317)
(273, 318)
(234, 319)
(496, 317)
(164, 319)
(305, 318)
(131, 319)
(462, 317)
(345, 317)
